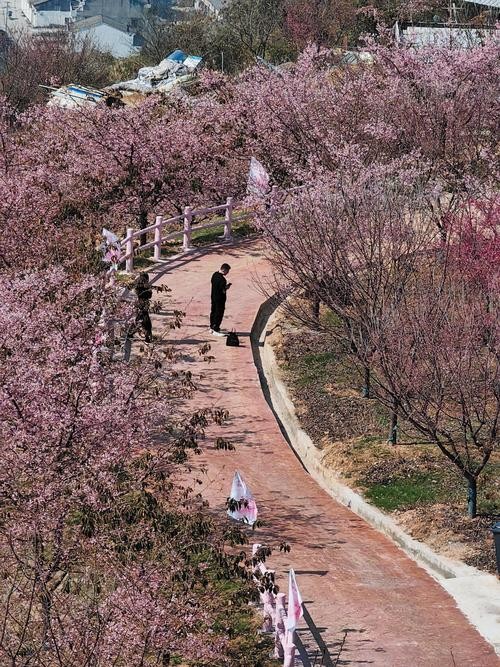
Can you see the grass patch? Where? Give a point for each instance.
(489, 491)
(330, 319)
(207, 236)
(368, 440)
(143, 260)
(405, 493)
(313, 369)
(203, 237)
(242, 626)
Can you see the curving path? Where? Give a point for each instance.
(352, 578)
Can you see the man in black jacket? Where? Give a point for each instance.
(219, 289)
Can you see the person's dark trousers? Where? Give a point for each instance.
(216, 314)
(145, 321)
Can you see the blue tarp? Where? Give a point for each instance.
(178, 56)
(87, 93)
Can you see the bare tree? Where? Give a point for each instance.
(49, 59)
(437, 354)
(199, 34)
(252, 23)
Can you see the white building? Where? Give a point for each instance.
(50, 13)
(463, 24)
(464, 38)
(107, 35)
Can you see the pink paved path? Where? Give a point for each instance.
(351, 577)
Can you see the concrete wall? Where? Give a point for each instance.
(120, 44)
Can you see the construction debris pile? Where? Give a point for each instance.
(74, 96)
(177, 68)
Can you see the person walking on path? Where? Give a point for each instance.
(144, 292)
(218, 296)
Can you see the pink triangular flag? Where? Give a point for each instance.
(295, 612)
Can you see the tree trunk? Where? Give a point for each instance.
(127, 346)
(472, 497)
(443, 234)
(46, 604)
(315, 309)
(393, 430)
(142, 219)
(365, 392)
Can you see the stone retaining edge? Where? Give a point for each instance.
(477, 594)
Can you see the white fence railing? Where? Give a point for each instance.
(187, 226)
(186, 223)
(274, 612)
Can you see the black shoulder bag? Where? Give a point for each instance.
(232, 339)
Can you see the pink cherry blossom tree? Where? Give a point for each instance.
(105, 557)
(69, 173)
(323, 22)
(351, 242)
(436, 106)
(30, 61)
(475, 243)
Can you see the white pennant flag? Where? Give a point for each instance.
(295, 611)
(111, 248)
(258, 179)
(240, 492)
(111, 239)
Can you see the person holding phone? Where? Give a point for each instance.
(218, 298)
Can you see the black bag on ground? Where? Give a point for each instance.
(232, 339)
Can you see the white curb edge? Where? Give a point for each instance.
(477, 594)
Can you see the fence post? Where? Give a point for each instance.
(112, 278)
(188, 220)
(228, 220)
(289, 650)
(255, 548)
(129, 250)
(158, 230)
(267, 599)
(279, 624)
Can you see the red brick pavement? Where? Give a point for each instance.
(351, 577)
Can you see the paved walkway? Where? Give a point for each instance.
(352, 578)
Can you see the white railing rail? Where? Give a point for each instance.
(186, 224)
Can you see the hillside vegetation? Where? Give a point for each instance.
(106, 557)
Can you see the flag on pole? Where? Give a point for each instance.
(111, 248)
(240, 492)
(397, 33)
(295, 611)
(111, 239)
(258, 179)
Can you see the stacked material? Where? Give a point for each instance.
(73, 96)
(175, 69)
